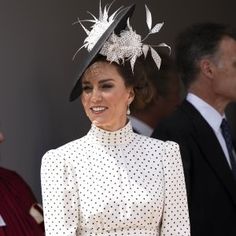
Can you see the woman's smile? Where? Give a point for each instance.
(98, 109)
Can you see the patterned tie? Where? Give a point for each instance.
(228, 140)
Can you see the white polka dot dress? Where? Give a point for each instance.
(114, 184)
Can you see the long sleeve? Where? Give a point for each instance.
(60, 196)
(175, 219)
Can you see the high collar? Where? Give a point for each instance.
(122, 136)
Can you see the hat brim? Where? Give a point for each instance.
(119, 24)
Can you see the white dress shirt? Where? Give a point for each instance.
(213, 118)
(140, 126)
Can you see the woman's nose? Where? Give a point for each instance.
(96, 95)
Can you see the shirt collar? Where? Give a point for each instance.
(210, 114)
(140, 126)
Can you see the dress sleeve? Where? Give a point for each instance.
(60, 195)
(175, 219)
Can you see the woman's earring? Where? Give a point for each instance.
(128, 110)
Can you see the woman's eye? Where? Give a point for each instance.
(86, 88)
(107, 86)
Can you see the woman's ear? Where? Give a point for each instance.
(131, 95)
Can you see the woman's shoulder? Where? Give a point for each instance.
(155, 142)
(66, 150)
(169, 151)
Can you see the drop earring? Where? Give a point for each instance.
(128, 110)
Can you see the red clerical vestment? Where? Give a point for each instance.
(19, 212)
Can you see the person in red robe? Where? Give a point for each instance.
(20, 214)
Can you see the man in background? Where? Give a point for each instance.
(167, 89)
(206, 58)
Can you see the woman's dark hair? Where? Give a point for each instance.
(196, 42)
(136, 79)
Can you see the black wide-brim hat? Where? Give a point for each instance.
(120, 23)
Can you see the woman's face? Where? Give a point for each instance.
(105, 97)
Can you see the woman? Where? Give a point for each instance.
(113, 181)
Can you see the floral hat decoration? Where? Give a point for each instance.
(113, 37)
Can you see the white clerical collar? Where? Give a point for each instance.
(2, 222)
(210, 114)
(140, 126)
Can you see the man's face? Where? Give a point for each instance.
(168, 103)
(224, 71)
(1, 137)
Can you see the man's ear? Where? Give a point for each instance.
(206, 67)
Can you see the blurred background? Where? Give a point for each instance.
(37, 43)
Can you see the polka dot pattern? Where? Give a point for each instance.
(114, 183)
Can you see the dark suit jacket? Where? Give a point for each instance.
(210, 184)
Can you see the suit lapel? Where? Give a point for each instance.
(205, 137)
